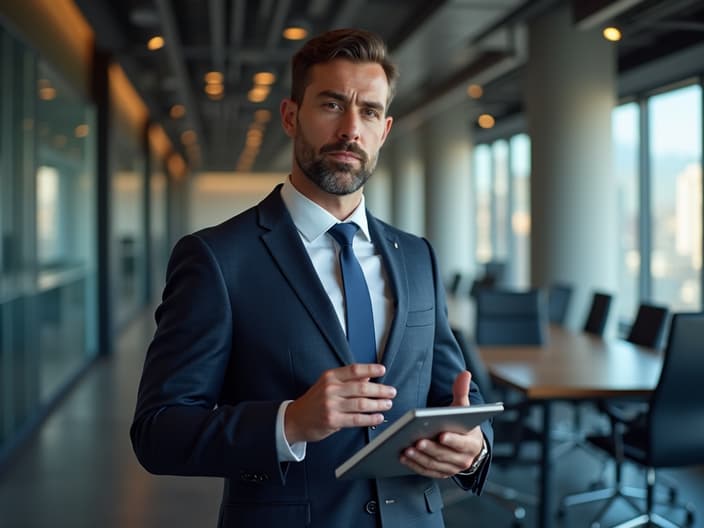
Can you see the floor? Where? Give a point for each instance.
(79, 470)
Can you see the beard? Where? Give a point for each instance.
(329, 175)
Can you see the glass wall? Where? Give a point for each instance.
(482, 195)
(625, 126)
(128, 262)
(65, 230)
(658, 149)
(48, 257)
(158, 228)
(675, 150)
(502, 193)
(520, 209)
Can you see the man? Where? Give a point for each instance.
(250, 375)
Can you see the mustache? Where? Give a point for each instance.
(344, 146)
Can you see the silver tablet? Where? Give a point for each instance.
(380, 457)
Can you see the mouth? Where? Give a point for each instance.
(344, 156)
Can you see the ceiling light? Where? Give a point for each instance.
(81, 131)
(214, 89)
(47, 93)
(295, 32)
(214, 77)
(612, 33)
(265, 78)
(189, 137)
(475, 91)
(155, 43)
(486, 121)
(258, 94)
(177, 111)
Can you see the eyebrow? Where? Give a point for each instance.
(344, 99)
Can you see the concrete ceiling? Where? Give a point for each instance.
(440, 46)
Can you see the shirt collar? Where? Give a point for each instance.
(311, 220)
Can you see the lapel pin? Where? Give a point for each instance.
(396, 245)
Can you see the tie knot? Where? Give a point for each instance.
(344, 233)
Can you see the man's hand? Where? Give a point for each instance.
(450, 453)
(342, 397)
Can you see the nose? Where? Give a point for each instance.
(348, 128)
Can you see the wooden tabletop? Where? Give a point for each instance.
(575, 365)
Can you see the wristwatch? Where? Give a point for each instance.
(478, 460)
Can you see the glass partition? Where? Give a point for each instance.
(48, 260)
(128, 225)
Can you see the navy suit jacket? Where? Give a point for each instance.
(244, 324)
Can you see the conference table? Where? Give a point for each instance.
(570, 366)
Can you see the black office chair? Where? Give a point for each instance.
(598, 313)
(559, 296)
(510, 317)
(511, 434)
(669, 434)
(492, 278)
(648, 330)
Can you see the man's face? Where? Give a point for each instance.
(341, 124)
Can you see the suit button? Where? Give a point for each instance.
(372, 427)
(370, 507)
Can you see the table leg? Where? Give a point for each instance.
(545, 503)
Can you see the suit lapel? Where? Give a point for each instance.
(391, 252)
(284, 243)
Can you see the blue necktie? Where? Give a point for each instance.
(358, 304)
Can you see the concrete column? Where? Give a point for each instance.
(408, 182)
(570, 94)
(447, 146)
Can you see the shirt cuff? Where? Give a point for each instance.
(285, 451)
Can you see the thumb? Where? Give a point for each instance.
(460, 389)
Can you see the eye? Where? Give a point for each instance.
(371, 113)
(332, 105)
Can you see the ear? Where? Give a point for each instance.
(288, 111)
(387, 129)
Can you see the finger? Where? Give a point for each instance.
(364, 405)
(439, 453)
(428, 466)
(360, 371)
(463, 443)
(365, 389)
(460, 389)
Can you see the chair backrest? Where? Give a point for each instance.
(480, 374)
(598, 313)
(559, 296)
(676, 412)
(506, 317)
(648, 328)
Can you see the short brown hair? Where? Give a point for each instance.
(355, 45)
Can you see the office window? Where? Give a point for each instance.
(675, 144)
(502, 194)
(519, 146)
(626, 137)
(501, 205)
(482, 194)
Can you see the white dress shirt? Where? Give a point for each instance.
(312, 223)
